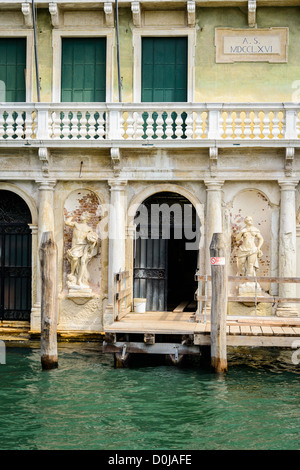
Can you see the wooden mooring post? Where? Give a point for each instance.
(218, 303)
(49, 307)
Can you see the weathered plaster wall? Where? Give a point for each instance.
(250, 82)
(44, 39)
(240, 82)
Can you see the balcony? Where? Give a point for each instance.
(149, 124)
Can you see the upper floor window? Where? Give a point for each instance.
(164, 69)
(83, 72)
(13, 69)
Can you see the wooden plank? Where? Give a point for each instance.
(181, 306)
(245, 330)
(287, 330)
(296, 330)
(234, 330)
(256, 330)
(123, 293)
(267, 330)
(261, 341)
(123, 313)
(277, 330)
(273, 279)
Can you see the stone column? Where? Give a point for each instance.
(116, 234)
(213, 222)
(287, 246)
(45, 224)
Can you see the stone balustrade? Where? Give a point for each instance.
(149, 122)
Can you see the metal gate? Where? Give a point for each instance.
(151, 273)
(15, 258)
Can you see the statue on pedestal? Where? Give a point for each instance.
(249, 252)
(84, 248)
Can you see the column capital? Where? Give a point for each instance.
(117, 185)
(33, 228)
(288, 185)
(213, 185)
(46, 185)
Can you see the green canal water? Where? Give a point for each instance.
(86, 404)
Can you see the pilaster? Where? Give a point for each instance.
(287, 246)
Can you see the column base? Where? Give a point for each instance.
(287, 311)
(35, 318)
(108, 316)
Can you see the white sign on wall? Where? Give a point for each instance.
(257, 45)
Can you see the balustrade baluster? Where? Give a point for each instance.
(10, 125)
(83, 125)
(91, 125)
(28, 116)
(276, 129)
(159, 126)
(150, 130)
(266, 126)
(247, 126)
(229, 126)
(2, 123)
(256, 126)
(74, 125)
(65, 125)
(19, 121)
(238, 125)
(100, 125)
(179, 123)
(189, 122)
(55, 125)
(169, 125)
(130, 128)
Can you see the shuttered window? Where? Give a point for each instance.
(164, 69)
(83, 69)
(12, 69)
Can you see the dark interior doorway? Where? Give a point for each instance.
(166, 252)
(15, 258)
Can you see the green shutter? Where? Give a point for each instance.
(83, 69)
(12, 68)
(164, 69)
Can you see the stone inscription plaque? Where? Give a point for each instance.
(257, 45)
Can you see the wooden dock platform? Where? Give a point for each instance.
(161, 332)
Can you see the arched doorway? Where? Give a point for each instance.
(15, 258)
(166, 251)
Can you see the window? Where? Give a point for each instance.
(164, 69)
(83, 69)
(13, 69)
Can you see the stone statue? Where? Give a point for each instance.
(249, 252)
(84, 248)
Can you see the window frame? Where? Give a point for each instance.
(57, 37)
(28, 35)
(137, 37)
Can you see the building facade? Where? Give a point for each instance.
(209, 119)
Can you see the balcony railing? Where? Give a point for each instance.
(149, 122)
